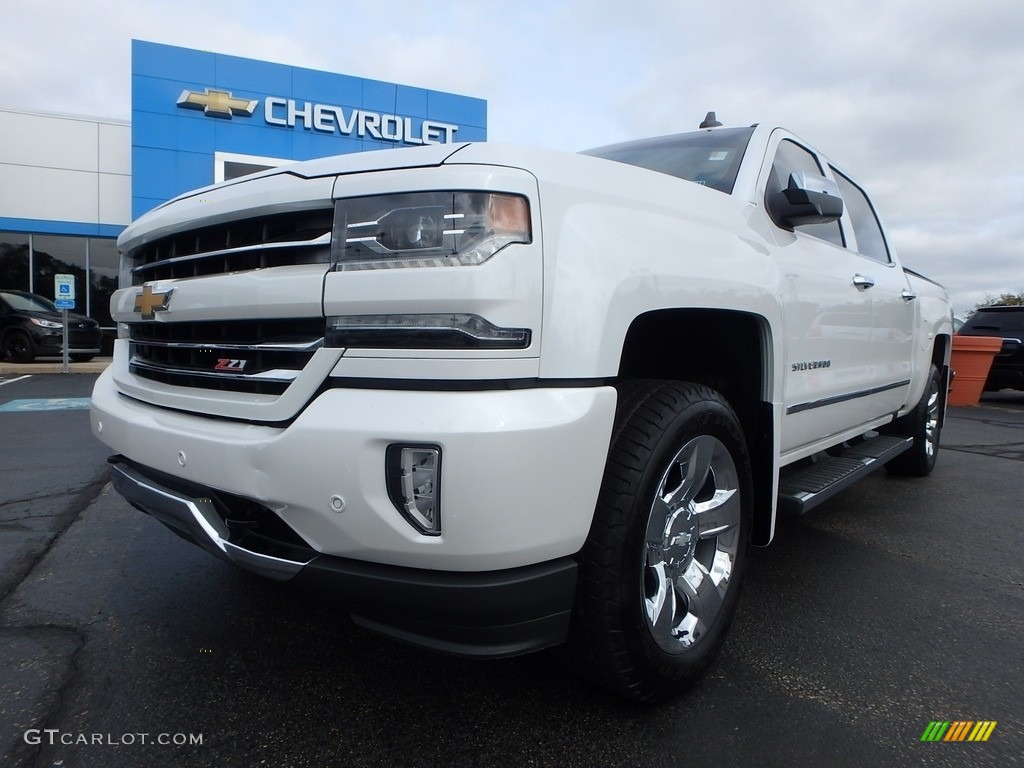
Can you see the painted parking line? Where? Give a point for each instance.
(11, 381)
(46, 404)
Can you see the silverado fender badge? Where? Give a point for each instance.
(149, 302)
(812, 365)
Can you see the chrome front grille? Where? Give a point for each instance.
(276, 240)
(254, 356)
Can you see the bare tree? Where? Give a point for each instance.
(1006, 299)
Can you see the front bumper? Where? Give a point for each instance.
(499, 613)
(521, 468)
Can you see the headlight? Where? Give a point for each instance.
(426, 229)
(45, 323)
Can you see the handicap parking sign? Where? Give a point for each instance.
(64, 291)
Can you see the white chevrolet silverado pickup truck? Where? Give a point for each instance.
(497, 399)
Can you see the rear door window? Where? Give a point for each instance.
(867, 230)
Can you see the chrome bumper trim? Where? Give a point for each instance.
(197, 518)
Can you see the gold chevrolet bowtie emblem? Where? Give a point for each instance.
(149, 302)
(217, 103)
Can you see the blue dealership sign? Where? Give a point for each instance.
(193, 111)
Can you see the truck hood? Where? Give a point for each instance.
(311, 184)
(291, 186)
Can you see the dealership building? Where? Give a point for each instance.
(70, 184)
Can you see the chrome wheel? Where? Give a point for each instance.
(931, 423)
(661, 570)
(691, 544)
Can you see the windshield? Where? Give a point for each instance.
(709, 158)
(24, 303)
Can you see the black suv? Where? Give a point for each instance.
(32, 326)
(1007, 322)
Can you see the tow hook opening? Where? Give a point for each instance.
(257, 528)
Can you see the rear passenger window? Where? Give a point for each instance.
(870, 240)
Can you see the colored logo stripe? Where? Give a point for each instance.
(982, 730)
(958, 730)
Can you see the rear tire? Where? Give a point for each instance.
(925, 426)
(662, 565)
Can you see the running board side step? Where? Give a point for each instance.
(806, 488)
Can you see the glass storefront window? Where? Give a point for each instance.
(28, 262)
(59, 255)
(14, 261)
(103, 261)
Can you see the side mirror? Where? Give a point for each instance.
(809, 199)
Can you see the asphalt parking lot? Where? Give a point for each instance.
(896, 604)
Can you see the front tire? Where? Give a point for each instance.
(661, 569)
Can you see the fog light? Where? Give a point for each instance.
(413, 475)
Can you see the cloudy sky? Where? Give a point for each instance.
(922, 102)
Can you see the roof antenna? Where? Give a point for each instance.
(710, 121)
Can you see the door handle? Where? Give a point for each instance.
(863, 282)
(908, 295)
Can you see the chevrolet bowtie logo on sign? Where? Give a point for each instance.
(216, 103)
(149, 302)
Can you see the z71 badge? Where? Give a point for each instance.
(229, 364)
